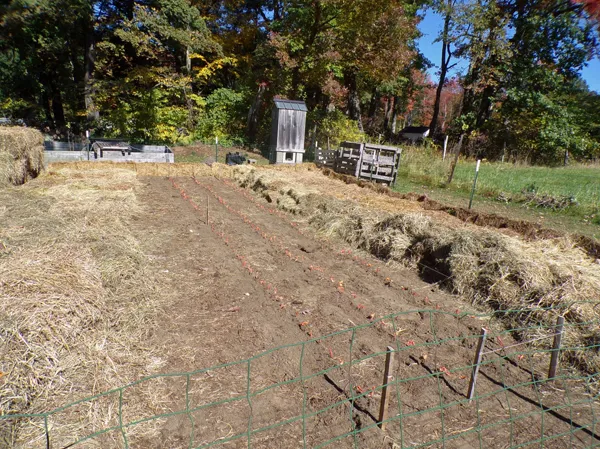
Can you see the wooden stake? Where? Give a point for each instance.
(456, 156)
(556, 347)
(383, 408)
(476, 363)
(207, 207)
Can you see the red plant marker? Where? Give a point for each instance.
(445, 371)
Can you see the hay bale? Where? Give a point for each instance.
(21, 155)
(525, 284)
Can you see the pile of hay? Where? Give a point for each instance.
(21, 155)
(153, 168)
(516, 279)
(77, 305)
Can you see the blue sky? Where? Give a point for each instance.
(431, 26)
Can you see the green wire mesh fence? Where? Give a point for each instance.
(328, 392)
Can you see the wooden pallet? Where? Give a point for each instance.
(325, 158)
(368, 161)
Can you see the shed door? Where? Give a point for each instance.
(291, 130)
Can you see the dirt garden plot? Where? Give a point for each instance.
(295, 322)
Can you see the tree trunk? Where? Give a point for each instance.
(254, 114)
(373, 103)
(444, 117)
(88, 77)
(485, 107)
(354, 113)
(446, 56)
(389, 108)
(189, 88)
(58, 110)
(468, 98)
(295, 85)
(395, 116)
(45, 103)
(455, 161)
(78, 77)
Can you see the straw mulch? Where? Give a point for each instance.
(21, 154)
(152, 169)
(76, 304)
(514, 278)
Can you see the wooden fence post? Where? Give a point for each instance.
(476, 363)
(456, 156)
(560, 321)
(383, 408)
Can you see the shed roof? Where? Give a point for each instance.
(415, 129)
(290, 105)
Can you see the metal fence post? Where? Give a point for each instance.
(474, 182)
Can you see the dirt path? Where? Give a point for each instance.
(251, 280)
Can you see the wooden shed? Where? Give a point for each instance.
(287, 132)
(414, 133)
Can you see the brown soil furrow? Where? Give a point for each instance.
(212, 320)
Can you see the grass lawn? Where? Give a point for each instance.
(423, 171)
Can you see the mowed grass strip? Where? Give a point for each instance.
(581, 182)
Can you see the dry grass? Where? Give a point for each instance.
(21, 155)
(76, 305)
(489, 268)
(152, 169)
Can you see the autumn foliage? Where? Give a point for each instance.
(179, 71)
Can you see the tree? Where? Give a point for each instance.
(446, 8)
(45, 46)
(353, 41)
(547, 45)
(178, 70)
